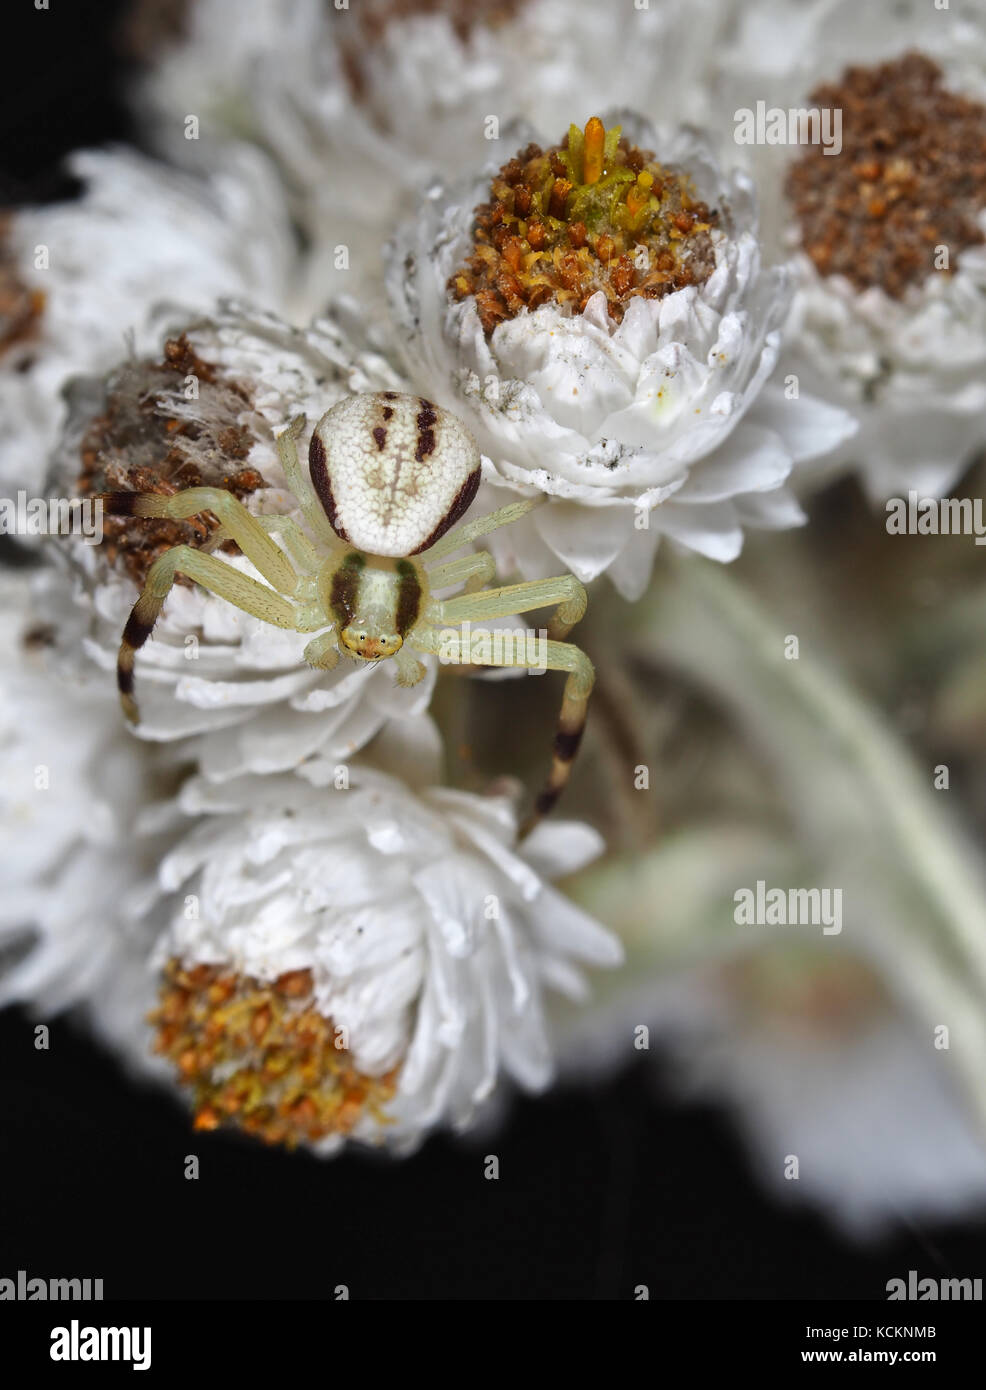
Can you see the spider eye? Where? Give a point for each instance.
(358, 642)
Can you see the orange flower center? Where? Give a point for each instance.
(595, 213)
(260, 1057)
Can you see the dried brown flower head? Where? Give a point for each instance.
(135, 445)
(20, 306)
(911, 176)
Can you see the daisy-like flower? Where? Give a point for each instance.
(349, 955)
(67, 809)
(141, 245)
(206, 412)
(601, 319)
(382, 92)
(887, 229)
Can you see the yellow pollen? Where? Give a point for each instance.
(260, 1057)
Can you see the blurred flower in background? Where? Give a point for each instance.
(300, 896)
(885, 228)
(141, 243)
(359, 104)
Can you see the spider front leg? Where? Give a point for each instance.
(564, 590)
(219, 578)
(477, 649)
(235, 521)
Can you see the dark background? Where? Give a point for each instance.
(602, 1187)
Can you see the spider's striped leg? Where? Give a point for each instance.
(564, 656)
(234, 518)
(219, 578)
(477, 648)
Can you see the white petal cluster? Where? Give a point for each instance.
(912, 371)
(142, 245)
(667, 423)
(385, 99)
(68, 804)
(430, 936)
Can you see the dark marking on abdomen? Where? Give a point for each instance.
(460, 504)
(426, 431)
(320, 481)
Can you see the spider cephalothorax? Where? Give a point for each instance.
(389, 476)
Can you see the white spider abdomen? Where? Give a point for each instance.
(393, 472)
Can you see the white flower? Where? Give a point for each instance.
(73, 786)
(661, 423)
(349, 956)
(815, 1060)
(876, 1134)
(209, 668)
(382, 94)
(141, 245)
(905, 354)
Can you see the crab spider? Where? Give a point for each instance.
(389, 477)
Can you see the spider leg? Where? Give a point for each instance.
(475, 570)
(299, 482)
(555, 656)
(564, 590)
(303, 554)
(236, 522)
(482, 526)
(322, 651)
(409, 669)
(219, 578)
